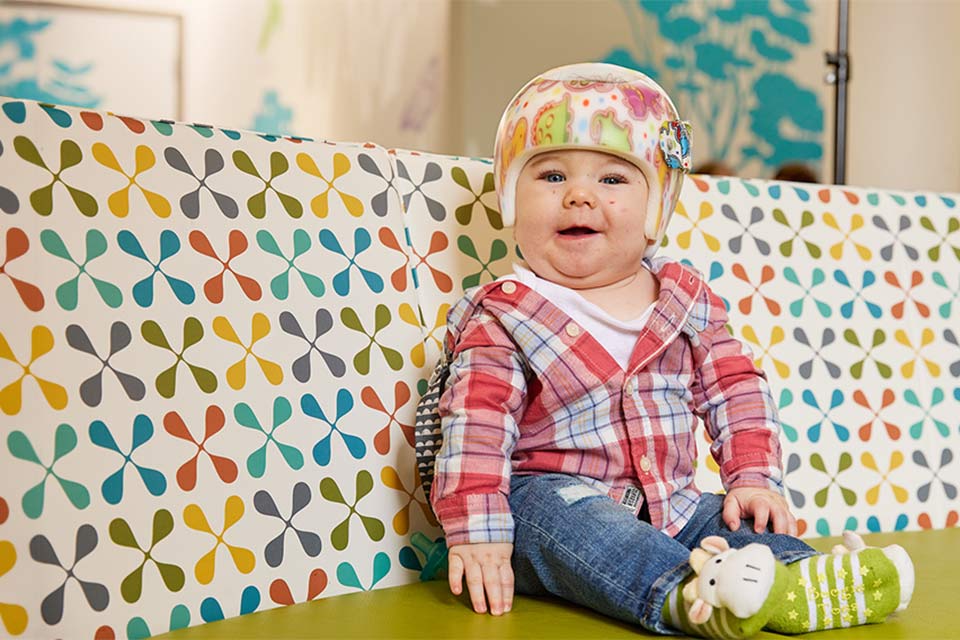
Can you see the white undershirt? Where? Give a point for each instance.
(618, 337)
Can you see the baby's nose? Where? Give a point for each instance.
(578, 196)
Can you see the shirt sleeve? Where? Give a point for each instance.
(732, 397)
(479, 409)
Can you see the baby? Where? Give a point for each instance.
(569, 392)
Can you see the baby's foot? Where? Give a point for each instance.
(855, 585)
(732, 594)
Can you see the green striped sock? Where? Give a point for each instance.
(722, 624)
(842, 590)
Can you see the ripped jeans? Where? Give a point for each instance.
(585, 548)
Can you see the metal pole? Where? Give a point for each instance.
(839, 77)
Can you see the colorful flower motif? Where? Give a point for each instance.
(916, 279)
(65, 441)
(213, 288)
(806, 368)
(347, 575)
(856, 222)
(886, 400)
(401, 520)
(736, 242)
(212, 164)
(237, 372)
(320, 204)
(11, 396)
(211, 611)
(13, 616)
(119, 201)
(322, 449)
(498, 251)
(323, 323)
(96, 594)
(169, 247)
(257, 203)
(243, 558)
(464, 213)
(70, 156)
(401, 396)
(280, 284)
(257, 461)
(806, 220)
(112, 487)
(132, 586)
(380, 203)
(340, 535)
(949, 488)
(17, 245)
(844, 462)
(746, 303)
(776, 337)
(214, 421)
(309, 541)
(684, 237)
(361, 242)
(431, 173)
(382, 318)
(316, 583)
(68, 293)
(438, 243)
(399, 276)
(886, 252)
(91, 389)
(900, 494)
(137, 628)
(926, 339)
(166, 383)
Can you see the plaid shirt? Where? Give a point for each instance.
(531, 392)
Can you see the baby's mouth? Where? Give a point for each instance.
(577, 231)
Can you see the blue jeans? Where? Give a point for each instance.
(583, 547)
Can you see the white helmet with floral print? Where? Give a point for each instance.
(600, 107)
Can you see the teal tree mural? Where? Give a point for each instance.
(21, 77)
(727, 65)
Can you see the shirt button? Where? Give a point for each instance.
(645, 464)
(572, 330)
(509, 287)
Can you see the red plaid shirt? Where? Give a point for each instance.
(531, 392)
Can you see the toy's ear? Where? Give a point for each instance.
(715, 544)
(698, 558)
(691, 592)
(700, 612)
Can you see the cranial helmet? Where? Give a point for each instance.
(598, 107)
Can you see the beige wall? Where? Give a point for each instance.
(905, 94)
(435, 74)
(916, 42)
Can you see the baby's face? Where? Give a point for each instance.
(580, 218)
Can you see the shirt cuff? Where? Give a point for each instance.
(476, 518)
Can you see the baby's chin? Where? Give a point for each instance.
(583, 279)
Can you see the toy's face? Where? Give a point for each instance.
(580, 217)
(738, 579)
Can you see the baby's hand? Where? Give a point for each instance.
(763, 506)
(486, 566)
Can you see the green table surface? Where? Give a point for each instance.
(428, 611)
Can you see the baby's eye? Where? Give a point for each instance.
(614, 179)
(552, 176)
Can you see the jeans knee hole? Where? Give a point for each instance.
(577, 492)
